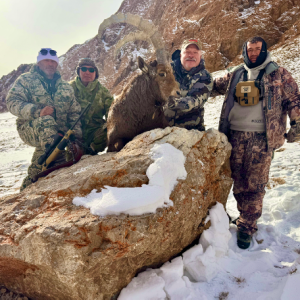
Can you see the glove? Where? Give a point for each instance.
(294, 133)
(176, 103)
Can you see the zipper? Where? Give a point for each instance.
(265, 108)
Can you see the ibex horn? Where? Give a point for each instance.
(148, 32)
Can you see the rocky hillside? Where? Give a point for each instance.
(222, 25)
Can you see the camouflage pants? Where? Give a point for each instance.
(98, 139)
(37, 133)
(250, 165)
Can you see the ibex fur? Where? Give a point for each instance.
(139, 107)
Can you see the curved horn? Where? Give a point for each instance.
(147, 27)
(131, 37)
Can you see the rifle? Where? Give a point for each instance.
(59, 143)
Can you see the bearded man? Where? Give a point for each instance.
(258, 96)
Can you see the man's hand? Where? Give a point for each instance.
(177, 103)
(294, 133)
(46, 111)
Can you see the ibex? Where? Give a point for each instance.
(139, 107)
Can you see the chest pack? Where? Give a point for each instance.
(247, 93)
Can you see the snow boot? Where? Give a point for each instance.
(243, 239)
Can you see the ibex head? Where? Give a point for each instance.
(162, 74)
(161, 69)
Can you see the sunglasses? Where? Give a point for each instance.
(45, 52)
(84, 69)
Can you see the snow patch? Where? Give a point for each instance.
(163, 173)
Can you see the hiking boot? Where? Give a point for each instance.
(243, 239)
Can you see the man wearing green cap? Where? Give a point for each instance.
(195, 82)
(89, 90)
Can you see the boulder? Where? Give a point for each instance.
(53, 249)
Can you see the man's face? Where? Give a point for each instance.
(190, 57)
(253, 51)
(87, 77)
(48, 66)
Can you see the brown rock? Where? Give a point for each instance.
(52, 249)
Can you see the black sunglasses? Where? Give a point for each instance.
(45, 52)
(84, 69)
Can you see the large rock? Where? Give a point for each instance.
(53, 249)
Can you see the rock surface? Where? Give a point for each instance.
(222, 26)
(52, 249)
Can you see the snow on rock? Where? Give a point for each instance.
(168, 166)
(44, 237)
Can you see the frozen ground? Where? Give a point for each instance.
(216, 268)
(14, 156)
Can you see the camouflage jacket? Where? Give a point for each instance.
(195, 87)
(101, 100)
(280, 97)
(32, 92)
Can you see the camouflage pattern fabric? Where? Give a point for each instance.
(252, 151)
(33, 169)
(93, 124)
(38, 132)
(281, 97)
(195, 87)
(250, 164)
(32, 92)
(99, 141)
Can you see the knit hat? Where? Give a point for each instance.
(188, 42)
(47, 54)
(87, 62)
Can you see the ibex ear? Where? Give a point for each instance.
(142, 65)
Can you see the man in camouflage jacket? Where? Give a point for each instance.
(44, 104)
(256, 131)
(89, 90)
(195, 82)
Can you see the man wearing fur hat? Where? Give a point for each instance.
(195, 82)
(258, 96)
(44, 104)
(89, 90)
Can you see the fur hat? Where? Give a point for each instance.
(87, 62)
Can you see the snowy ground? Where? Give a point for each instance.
(216, 268)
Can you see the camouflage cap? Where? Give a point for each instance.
(188, 42)
(87, 62)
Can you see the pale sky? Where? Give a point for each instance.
(26, 26)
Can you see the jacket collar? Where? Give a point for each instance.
(89, 88)
(42, 75)
(180, 72)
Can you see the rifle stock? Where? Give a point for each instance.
(58, 149)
